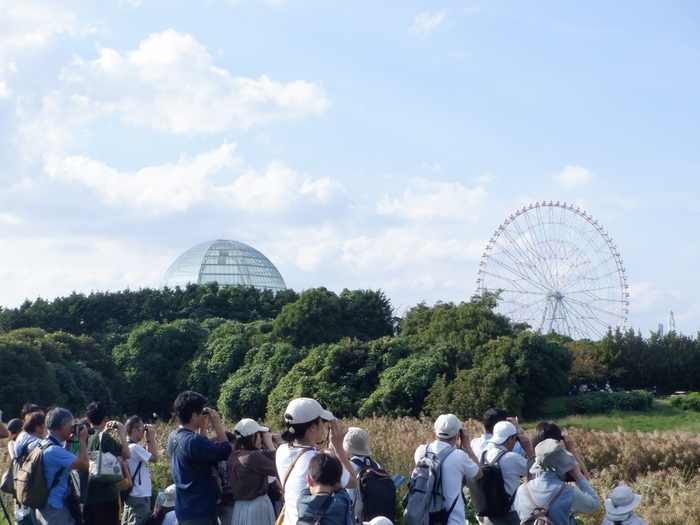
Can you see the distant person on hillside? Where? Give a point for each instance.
(619, 508)
(490, 418)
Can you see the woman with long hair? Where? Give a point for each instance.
(249, 473)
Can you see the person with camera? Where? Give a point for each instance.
(506, 434)
(58, 461)
(460, 463)
(137, 504)
(193, 457)
(101, 500)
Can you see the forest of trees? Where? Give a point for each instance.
(251, 351)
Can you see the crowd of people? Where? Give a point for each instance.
(313, 472)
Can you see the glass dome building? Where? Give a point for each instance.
(225, 262)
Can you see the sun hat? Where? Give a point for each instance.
(447, 426)
(551, 456)
(15, 426)
(502, 431)
(247, 427)
(169, 500)
(622, 501)
(305, 409)
(356, 441)
(379, 520)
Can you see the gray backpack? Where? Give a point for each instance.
(424, 503)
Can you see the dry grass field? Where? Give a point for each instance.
(662, 466)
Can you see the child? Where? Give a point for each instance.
(619, 509)
(324, 500)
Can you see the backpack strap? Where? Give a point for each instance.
(323, 508)
(43, 447)
(551, 501)
(495, 460)
(291, 467)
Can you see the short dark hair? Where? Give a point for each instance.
(132, 423)
(36, 419)
(187, 403)
(297, 431)
(325, 469)
(30, 408)
(96, 412)
(246, 442)
(493, 416)
(545, 430)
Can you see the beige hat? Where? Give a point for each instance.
(552, 457)
(502, 431)
(622, 501)
(305, 409)
(169, 500)
(248, 427)
(447, 426)
(356, 441)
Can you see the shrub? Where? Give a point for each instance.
(689, 402)
(601, 402)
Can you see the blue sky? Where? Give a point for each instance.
(357, 145)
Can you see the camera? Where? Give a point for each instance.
(79, 426)
(205, 411)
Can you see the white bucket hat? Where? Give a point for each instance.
(356, 441)
(305, 409)
(552, 457)
(248, 427)
(622, 501)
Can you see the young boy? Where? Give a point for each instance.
(324, 499)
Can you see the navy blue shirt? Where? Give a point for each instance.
(192, 458)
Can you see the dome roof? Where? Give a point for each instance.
(225, 262)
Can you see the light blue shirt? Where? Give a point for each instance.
(57, 458)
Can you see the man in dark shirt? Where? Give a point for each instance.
(194, 459)
(101, 503)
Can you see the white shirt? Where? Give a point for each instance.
(296, 482)
(142, 480)
(513, 466)
(454, 468)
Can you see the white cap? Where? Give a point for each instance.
(169, 500)
(248, 427)
(379, 520)
(447, 426)
(305, 409)
(502, 431)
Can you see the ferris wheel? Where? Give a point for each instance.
(557, 270)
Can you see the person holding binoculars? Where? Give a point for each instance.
(137, 504)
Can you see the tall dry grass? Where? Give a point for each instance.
(662, 466)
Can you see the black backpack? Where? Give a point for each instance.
(376, 493)
(489, 496)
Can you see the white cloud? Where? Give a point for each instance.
(5, 91)
(432, 200)
(573, 176)
(10, 219)
(170, 84)
(170, 187)
(425, 23)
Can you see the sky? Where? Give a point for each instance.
(360, 145)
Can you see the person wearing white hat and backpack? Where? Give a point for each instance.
(619, 508)
(305, 420)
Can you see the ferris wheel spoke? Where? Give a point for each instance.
(591, 308)
(533, 248)
(519, 270)
(526, 254)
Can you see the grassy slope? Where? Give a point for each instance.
(662, 417)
